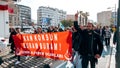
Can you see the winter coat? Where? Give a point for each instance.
(76, 40)
(96, 44)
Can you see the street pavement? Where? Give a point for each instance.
(107, 60)
(30, 62)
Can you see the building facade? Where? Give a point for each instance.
(83, 18)
(24, 14)
(21, 15)
(114, 18)
(4, 17)
(104, 18)
(13, 16)
(70, 17)
(47, 16)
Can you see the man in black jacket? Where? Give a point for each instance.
(101, 31)
(13, 32)
(91, 46)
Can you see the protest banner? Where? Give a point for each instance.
(57, 45)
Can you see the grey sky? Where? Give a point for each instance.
(71, 6)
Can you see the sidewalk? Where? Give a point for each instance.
(112, 64)
(108, 59)
(108, 56)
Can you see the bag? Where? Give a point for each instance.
(77, 60)
(77, 41)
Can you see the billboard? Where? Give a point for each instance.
(46, 21)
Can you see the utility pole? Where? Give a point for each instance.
(117, 56)
(115, 21)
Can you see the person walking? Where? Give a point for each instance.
(11, 41)
(102, 33)
(91, 46)
(18, 31)
(107, 36)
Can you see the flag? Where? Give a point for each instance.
(61, 26)
(10, 10)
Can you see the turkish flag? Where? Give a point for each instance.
(10, 10)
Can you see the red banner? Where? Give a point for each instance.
(56, 45)
(3, 7)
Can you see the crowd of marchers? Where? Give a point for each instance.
(87, 40)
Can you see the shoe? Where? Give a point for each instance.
(17, 62)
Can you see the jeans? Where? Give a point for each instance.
(107, 41)
(18, 58)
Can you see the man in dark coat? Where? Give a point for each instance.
(91, 46)
(102, 33)
(11, 41)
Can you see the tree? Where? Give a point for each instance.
(67, 23)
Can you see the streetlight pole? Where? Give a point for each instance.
(115, 21)
(117, 56)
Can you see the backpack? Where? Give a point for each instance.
(77, 38)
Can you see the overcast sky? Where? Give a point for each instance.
(71, 6)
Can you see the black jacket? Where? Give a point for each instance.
(94, 41)
(76, 40)
(103, 32)
(11, 38)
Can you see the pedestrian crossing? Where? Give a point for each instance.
(31, 62)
